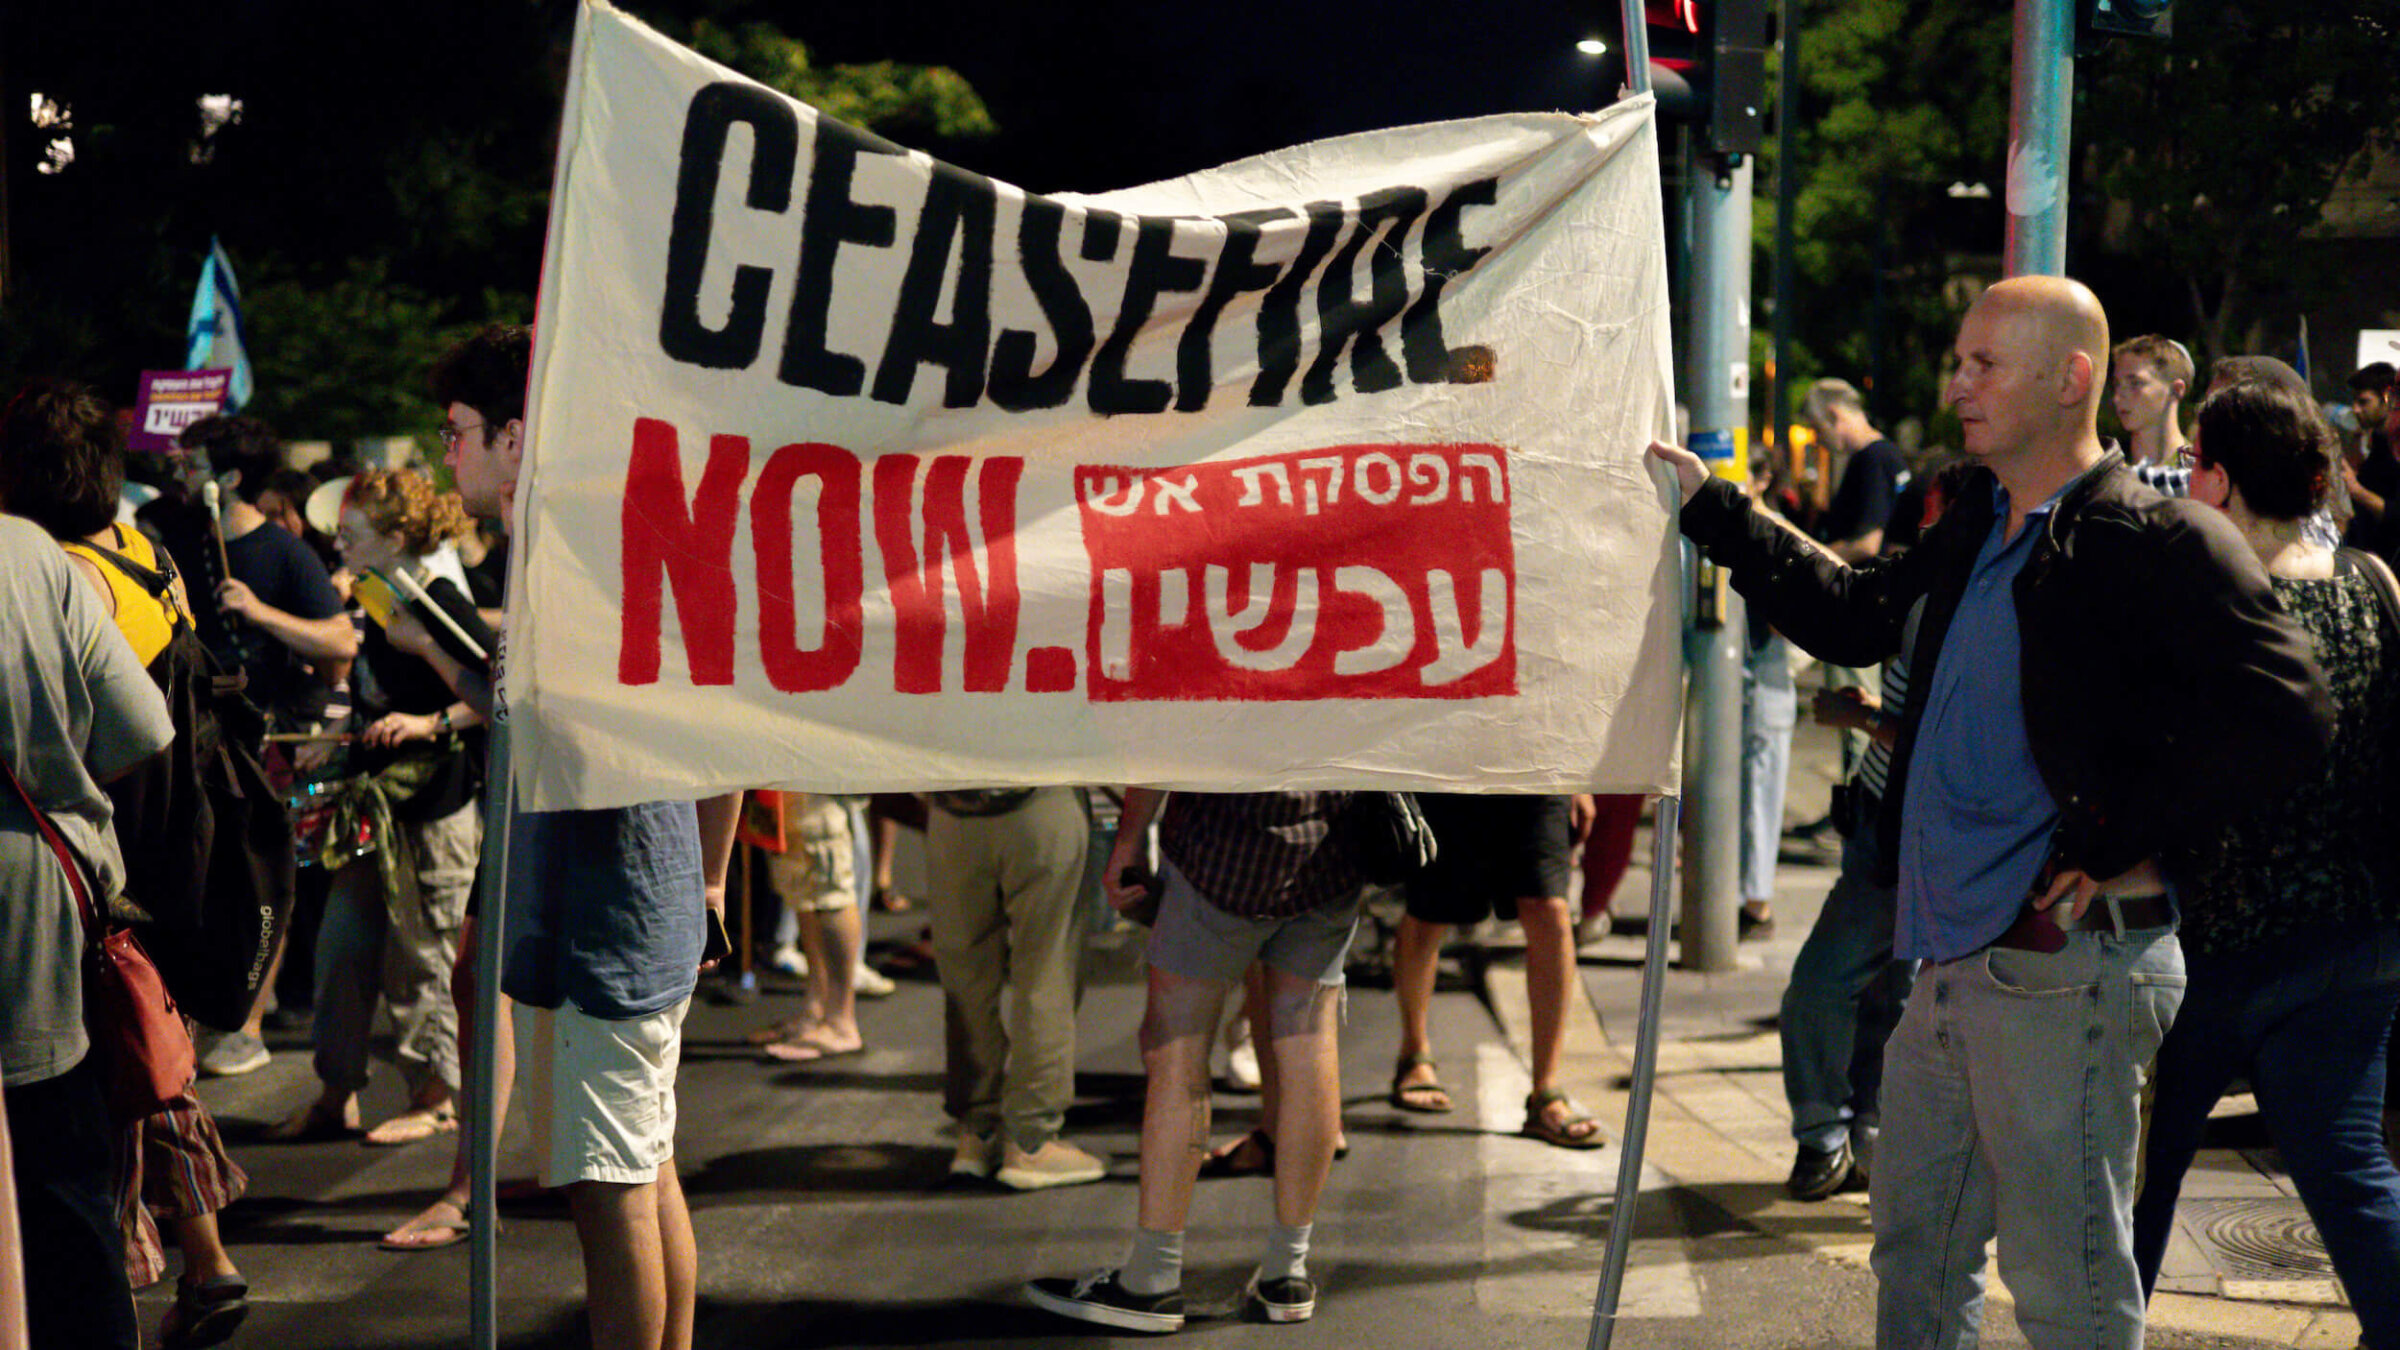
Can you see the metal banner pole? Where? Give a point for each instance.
(483, 1084)
(1645, 1073)
(1637, 50)
(1654, 964)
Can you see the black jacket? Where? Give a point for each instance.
(2126, 589)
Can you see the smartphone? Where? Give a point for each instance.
(1154, 887)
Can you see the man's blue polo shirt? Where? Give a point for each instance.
(1976, 821)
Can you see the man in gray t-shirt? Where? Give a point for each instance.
(75, 708)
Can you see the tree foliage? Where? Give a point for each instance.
(2224, 147)
(1899, 100)
(888, 96)
(380, 192)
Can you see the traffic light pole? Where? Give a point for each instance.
(2039, 101)
(1716, 387)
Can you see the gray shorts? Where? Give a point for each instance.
(1199, 941)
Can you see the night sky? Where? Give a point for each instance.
(1093, 96)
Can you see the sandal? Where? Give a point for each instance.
(309, 1125)
(1560, 1133)
(413, 1126)
(1429, 1098)
(1220, 1160)
(1224, 1160)
(429, 1231)
(206, 1313)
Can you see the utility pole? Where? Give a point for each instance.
(2041, 91)
(1716, 386)
(1787, 193)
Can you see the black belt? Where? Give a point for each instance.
(2045, 930)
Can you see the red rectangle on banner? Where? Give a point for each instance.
(1356, 571)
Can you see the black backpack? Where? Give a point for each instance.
(207, 839)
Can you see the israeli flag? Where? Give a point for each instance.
(213, 337)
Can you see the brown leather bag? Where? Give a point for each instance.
(144, 1052)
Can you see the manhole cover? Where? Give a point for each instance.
(2263, 1248)
(2262, 1239)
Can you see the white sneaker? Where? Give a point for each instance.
(787, 958)
(872, 983)
(229, 1054)
(1057, 1163)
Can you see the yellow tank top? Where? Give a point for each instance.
(147, 622)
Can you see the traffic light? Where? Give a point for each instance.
(1708, 66)
(2099, 19)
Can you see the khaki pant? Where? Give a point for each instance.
(1007, 932)
(400, 947)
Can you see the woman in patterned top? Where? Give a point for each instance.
(2291, 927)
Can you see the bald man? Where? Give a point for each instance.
(2031, 823)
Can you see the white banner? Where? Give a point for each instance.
(854, 471)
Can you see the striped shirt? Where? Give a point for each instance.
(1260, 855)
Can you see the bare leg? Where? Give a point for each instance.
(1177, 1028)
(624, 1263)
(1309, 1112)
(1270, 1073)
(1549, 978)
(204, 1254)
(1549, 970)
(257, 1023)
(13, 1331)
(886, 843)
(832, 938)
(682, 1254)
(452, 1202)
(1416, 961)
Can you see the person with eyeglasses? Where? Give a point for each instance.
(2291, 925)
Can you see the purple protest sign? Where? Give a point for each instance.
(172, 400)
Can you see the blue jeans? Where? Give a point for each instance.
(2011, 1105)
(1770, 708)
(1844, 994)
(2306, 1023)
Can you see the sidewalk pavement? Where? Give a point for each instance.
(2244, 1263)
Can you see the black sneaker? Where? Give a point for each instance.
(1287, 1300)
(1818, 1173)
(1098, 1297)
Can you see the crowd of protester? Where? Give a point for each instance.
(2285, 901)
(341, 628)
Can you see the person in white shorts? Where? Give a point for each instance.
(606, 919)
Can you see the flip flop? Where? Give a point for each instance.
(789, 1028)
(413, 1127)
(1538, 1124)
(891, 901)
(425, 1233)
(802, 1050)
(1417, 1097)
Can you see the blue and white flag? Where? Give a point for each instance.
(213, 337)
